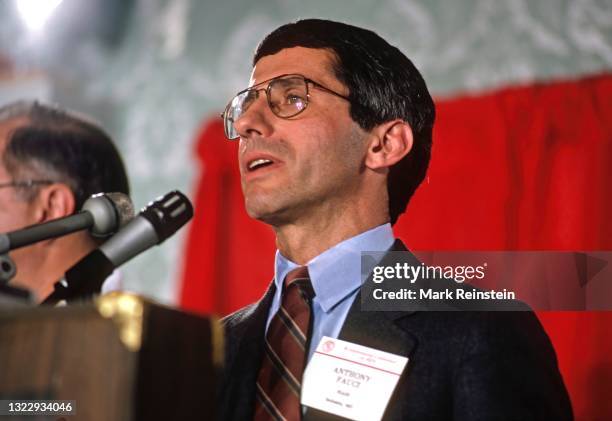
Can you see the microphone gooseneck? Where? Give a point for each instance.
(103, 213)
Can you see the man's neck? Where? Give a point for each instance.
(301, 242)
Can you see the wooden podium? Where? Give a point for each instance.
(120, 358)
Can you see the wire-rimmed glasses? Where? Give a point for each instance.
(287, 96)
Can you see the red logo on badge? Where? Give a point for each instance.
(328, 346)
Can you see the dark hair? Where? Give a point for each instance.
(63, 147)
(383, 85)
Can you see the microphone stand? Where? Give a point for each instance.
(83, 281)
(10, 295)
(7, 268)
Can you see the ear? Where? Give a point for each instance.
(55, 201)
(389, 143)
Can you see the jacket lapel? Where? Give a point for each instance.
(244, 350)
(377, 329)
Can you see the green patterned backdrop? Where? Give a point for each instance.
(153, 70)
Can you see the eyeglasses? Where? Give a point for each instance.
(25, 183)
(287, 96)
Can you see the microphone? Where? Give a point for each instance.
(156, 222)
(103, 214)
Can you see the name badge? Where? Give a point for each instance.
(351, 380)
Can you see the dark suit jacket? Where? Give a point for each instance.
(462, 365)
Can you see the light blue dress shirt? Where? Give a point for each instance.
(336, 277)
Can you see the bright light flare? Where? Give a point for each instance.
(36, 12)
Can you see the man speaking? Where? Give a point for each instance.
(335, 132)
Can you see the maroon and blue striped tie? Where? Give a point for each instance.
(285, 349)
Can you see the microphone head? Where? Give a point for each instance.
(110, 211)
(168, 213)
(124, 206)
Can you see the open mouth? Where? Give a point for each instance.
(259, 163)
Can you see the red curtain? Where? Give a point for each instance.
(522, 168)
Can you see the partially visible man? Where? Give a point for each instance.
(335, 134)
(51, 161)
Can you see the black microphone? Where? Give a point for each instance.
(153, 225)
(156, 222)
(103, 214)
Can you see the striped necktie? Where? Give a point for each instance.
(285, 349)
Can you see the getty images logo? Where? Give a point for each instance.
(411, 273)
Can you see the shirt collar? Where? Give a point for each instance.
(336, 272)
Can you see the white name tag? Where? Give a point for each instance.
(350, 380)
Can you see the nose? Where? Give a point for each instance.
(256, 120)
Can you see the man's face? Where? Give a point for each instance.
(16, 213)
(317, 156)
(14, 210)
